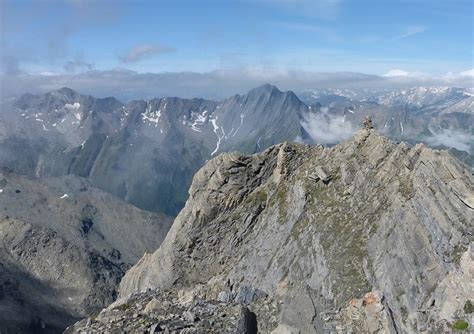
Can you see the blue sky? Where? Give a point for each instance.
(374, 37)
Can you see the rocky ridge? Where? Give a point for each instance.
(367, 236)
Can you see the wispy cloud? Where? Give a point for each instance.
(325, 128)
(144, 51)
(411, 31)
(52, 42)
(449, 138)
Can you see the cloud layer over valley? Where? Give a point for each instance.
(128, 85)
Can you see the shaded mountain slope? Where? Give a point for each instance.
(64, 247)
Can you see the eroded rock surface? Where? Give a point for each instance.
(384, 245)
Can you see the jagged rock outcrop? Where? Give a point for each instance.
(64, 247)
(384, 246)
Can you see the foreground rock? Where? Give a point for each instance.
(383, 245)
(183, 311)
(64, 247)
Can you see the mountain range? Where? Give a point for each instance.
(94, 183)
(146, 152)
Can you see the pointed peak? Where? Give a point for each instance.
(66, 91)
(265, 88)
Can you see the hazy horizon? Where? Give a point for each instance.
(144, 49)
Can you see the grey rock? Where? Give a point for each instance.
(320, 174)
(247, 294)
(224, 296)
(285, 329)
(189, 316)
(314, 250)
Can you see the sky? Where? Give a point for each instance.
(258, 39)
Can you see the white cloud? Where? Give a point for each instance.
(410, 31)
(144, 51)
(401, 73)
(467, 73)
(396, 73)
(126, 85)
(455, 139)
(325, 128)
(463, 76)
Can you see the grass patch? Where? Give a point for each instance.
(460, 325)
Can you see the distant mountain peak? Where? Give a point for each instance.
(265, 88)
(66, 92)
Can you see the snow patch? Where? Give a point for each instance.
(151, 116)
(201, 119)
(219, 138)
(64, 196)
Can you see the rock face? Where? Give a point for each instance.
(64, 247)
(384, 246)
